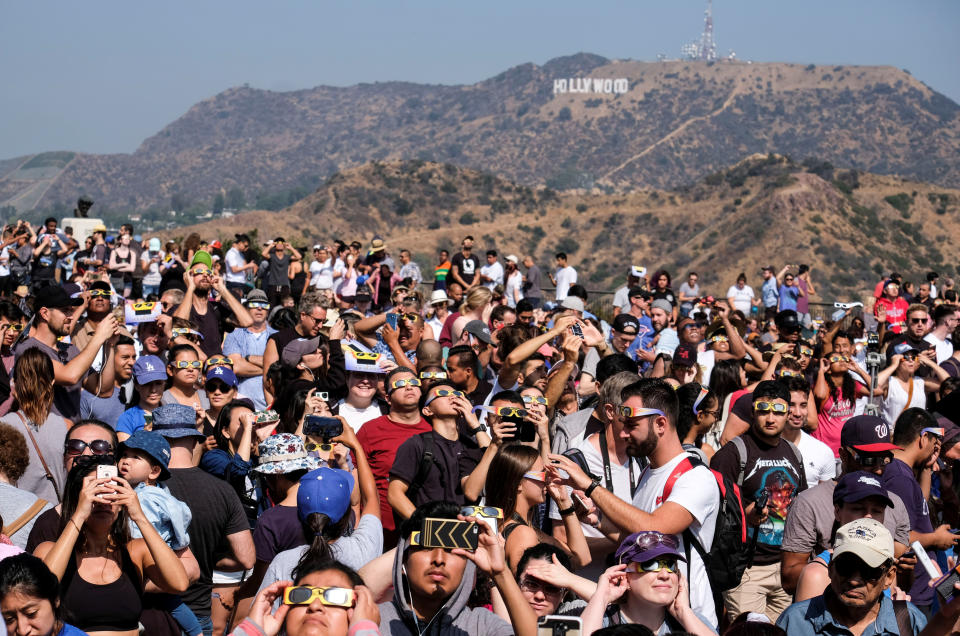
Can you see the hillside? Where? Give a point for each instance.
(851, 227)
(677, 122)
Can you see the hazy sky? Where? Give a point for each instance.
(101, 76)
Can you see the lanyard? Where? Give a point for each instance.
(607, 472)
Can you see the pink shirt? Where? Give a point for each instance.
(830, 420)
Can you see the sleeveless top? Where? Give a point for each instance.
(112, 607)
(896, 401)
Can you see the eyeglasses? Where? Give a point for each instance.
(536, 399)
(536, 475)
(870, 460)
(788, 280)
(258, 305)
(669, 564)
(847, 566)
(489, 512)
(433, 375)
(329, 596)
(100, 292)
(97, 447)
(507, 411)
(399, 384)
(186, 364)
(770, 407)
(532, 585)
(838, 358)
(201, 271)
(936, 431)
(218, 361)
(630, 412)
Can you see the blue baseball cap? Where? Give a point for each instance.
(859, 485)
(149, 369)
(153, 445)
(175, 421)
(324, 490)
(224, 374)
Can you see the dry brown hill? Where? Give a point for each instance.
(851, 227)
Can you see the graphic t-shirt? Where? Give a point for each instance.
(742, 298)
(466, 267)
(771, 471)
(830, 418)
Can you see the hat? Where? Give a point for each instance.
(202, 258)
(100, 227)
(175, 421)
(377, 245)
(637, 271)
(859, 485)
(224, 374)
(513, 259)
(362, 362)
(439, 297)
(626, 323)
(73, 290)
(638, 292)
(867, 433)
(296, 349)
(685, 355)
(867, 539)
(216, 244)
(787, 321)
(480, 330)
(573, 302)
(400, 287)
(904, 347)
(256, 296)
(152, 444)
(317, 247)
(284, 453)
(663, 304)
(644, 546)
(54, 297)
(325, 491)
(154, 245)
(363, 293)
(149, 369)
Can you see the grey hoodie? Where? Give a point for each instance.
(454, 619)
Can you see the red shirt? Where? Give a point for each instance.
(380, 438)
(896, 313)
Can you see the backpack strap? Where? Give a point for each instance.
(423, 468)
(902, 612)
(25, 518)
(677, 472)
(741, 447)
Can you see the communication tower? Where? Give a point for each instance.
(705, 48)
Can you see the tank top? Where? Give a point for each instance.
(896, 401)
(112, 607)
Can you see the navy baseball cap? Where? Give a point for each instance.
(626, 323)
(149, 369)
(175, 421)
(224, 374)
(859, 485)
(153, 445)
(867, 433)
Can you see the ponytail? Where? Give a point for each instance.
(320, 531)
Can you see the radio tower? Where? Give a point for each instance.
(708, 48)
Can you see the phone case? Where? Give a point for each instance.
(449, 534)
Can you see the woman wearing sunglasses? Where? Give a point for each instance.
(220, 385)
(836, 392)
(699, 411)
(649, 587)
(183, 373)
(900, 385)
(545, 580)
(327, 599)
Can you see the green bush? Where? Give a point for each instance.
(901, 202)
(581, 207)
(468, 219)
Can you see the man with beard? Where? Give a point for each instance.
(649, 414)
(203, 312)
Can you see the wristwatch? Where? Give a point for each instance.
(593, 485)
(480, 429)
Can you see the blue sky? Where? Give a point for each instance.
(101, 76)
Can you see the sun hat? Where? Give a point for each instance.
(284, 453)
(439, 297)
(175, 421)
(325, 491)
(153, 444)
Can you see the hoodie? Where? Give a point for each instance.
(454, 619)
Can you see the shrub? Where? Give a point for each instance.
(901, 202)
(581, 207)
(564, 114)
(468, 218)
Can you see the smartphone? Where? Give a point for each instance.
(526, 431)
(559, 626)
(762, 499)
(325, 428)
(576, 455)
(392, 320)
(268, 415)
(447, 534)
(579, 505)
(106, 471)
(577, 330)
(944, 585)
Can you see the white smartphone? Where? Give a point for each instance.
(106, 471)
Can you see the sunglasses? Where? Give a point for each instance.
(433, 375)
(508, 411)
(848, 566)
(399, 384)
(258, 305)
(444, 393)
(97, 447)
(201, 271)
(630, 412)
(100, 292)
(669, 564)
(838, 358)
(218, 361)
(329, 596)
(410, 317)
(912, 356)
(312, 447)
(216, 386)
(770, 407)
(691, 326)
(532, 585)
(540, 475)
(869, 460)
(482, 511)
(918, 321)
(536, 399)
(186, 364)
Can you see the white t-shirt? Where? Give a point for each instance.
(321, 274)
(819, 464)
(5, 261)
(494, 272)
(742, 298)
(235, 259)
(697, 491)
(358, 417)
(944, 347)
(566, 277)
(897, 397)
(513, 290)
(706, 361)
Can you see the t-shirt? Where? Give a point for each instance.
(944, 347)
(106, 410)
(621, 300)
(451, 462)
(742, 298)
(689, 292)
(513, 290)
(566, 276)
(50, 438)
(898, 478)
(810, 524)
(830, 418)
(278, 529)
(358, 417)
(531, 287)
(276, 275)
(788, 297)
(819, 464)
(234, 258)
(466, 267)
(803, 302)
(896, 313)
(217, 513)
(665, 294)
(495, 273)
(200, 396)
(66, 397)
(131, 421)
(380, 439)
(771, 470)
(696, 490)
(769, 293)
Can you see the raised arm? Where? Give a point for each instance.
(511, 366)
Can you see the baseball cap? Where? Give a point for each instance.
(859, 485)
(149, 369)
(296, 349)
(904, 347)
(325, 491)
(787, 321)
(202, 258)
(637, 271)
(865, 538)
(364, 294)
(685, 355)
(513, 259)
(224, 374)
(153, 445)
(626, 323)
(644, 546)
(638, 292)
(154, 245)
(573, 302)
(867, 433)
(176, 421)
(662, 304)
(768, 268)
(216, 244)
(480, 330)
(54, 297)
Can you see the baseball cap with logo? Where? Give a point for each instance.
(866, 433)
(480, 330)
(626, 323)
(224, 374)
(149, 369)
(865, 538)
(685, 355)
(859, 485)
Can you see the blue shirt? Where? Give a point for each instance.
(811, 617)
(70, 630)
(898, 478)
(169, 516)
(788, 297)
(131, 421)
(106, 410)
(244, 342)
(769, 292)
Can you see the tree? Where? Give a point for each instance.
(218, 204)
(235, 199)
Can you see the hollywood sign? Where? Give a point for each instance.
(591, 85)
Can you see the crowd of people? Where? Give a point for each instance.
(199, 438)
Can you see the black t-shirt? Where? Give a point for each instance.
(278, 529)
(217, 513)
(466, 267)
(479, 394)
(208, 324)
(446, 470)
(667, 295)
(45, 528)
(774, 469)
(283, 338)
(743, 407)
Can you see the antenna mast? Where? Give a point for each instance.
(708, 48)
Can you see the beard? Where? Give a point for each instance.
(644, 448)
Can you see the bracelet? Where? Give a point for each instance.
(79, 531)
(566, 512)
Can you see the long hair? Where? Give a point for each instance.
(846, 391)
(223, 422)
(725, 379)
(33, 383)
(28, 575)
(687, 395)
(320, 530)
(82, 466)
(506, 473)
